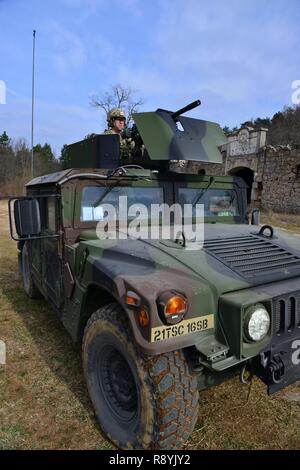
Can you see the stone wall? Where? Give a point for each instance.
(279, 176)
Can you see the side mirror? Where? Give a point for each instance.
(27, 217)
(255, 217)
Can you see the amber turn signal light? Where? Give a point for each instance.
(172, 307)
(175, 306)
(132, 299)
(143, 317)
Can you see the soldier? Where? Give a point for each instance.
(116, 120)
(222, 208)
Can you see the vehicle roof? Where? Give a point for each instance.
(60, 177)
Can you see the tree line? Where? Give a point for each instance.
(283, 127)
(15, 164)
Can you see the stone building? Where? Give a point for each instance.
(272, 173)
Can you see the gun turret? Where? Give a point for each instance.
(186, 108)
(153, 141)
(195, 140)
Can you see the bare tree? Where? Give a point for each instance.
(118, 97)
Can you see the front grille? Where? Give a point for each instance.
(252, 256)
(287, 314)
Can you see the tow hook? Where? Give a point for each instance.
(246, 374)
(275, 369)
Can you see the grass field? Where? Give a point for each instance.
(44, 402)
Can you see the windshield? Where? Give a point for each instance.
(95, 197)
(217, 202)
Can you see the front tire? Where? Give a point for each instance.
(141, 402)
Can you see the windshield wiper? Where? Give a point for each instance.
(199, 196)
(110, 188)
(100, 199)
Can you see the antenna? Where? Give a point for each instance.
(32, 107)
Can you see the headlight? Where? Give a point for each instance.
(172, 307)
(257, 323)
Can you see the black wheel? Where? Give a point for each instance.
(28, 283)
(141, 402)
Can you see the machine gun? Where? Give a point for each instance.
(133, 133)
(138, 151)
(183, 110)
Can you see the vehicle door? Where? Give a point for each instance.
(51, 252)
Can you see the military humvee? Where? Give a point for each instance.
(160, 320)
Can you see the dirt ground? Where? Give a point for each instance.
(43, 398)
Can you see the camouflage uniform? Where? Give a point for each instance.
(126, 145)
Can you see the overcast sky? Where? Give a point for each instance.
(239, 57)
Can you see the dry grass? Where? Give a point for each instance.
(285, 221)
(44, 402)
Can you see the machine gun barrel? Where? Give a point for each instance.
(186, 108)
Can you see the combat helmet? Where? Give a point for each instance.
(115, 113)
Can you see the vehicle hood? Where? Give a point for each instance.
(233, 257)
